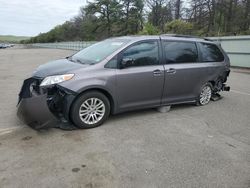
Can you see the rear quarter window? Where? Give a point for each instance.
(210, 53)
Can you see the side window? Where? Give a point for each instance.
(211, 53)
(142, 54)
(180, 52)
(112, 64)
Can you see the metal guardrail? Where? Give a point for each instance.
(76, 45)
(237, 48)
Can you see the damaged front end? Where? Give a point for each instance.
(44, 107)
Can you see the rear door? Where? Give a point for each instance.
(184, 73)
(140, 84)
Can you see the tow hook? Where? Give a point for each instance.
(225, 88)
(217, 96)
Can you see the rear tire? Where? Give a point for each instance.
(205, 94)
(90, 110)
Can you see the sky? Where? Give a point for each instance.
(31, 17)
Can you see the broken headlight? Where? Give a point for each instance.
(50, 80)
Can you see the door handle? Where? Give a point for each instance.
(157, 72)
(171, 71)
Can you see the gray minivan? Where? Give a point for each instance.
(123, 74)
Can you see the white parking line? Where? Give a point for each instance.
(240, 92)
(8, 130)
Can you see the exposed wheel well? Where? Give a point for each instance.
(217, 84)
(212, 82)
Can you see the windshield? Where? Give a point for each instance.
(98, 51)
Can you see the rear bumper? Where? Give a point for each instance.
(44, 107)
(224, 86)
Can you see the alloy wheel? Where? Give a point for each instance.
(92, 111)
(205, 95)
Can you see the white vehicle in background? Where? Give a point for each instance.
(3, 46)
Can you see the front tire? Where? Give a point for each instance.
(205, 94)
(90, 110)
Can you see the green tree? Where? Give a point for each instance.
(132, 19)
(107, 12)
(179, 27)
(149, 29)
(101, 19)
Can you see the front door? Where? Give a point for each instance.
(140, 82)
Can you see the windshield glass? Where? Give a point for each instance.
(98, 51)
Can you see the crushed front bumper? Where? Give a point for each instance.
(44, 107)
(34, 112)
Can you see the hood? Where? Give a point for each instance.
(57, 67)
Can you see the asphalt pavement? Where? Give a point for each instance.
(189, 146)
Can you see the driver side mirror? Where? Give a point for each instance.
(127, 62)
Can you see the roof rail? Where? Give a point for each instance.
(186, 36)
(178, 35)
(208, 39)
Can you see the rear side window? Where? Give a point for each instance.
(211, 53)
(180, 52)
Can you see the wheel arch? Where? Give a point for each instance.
(212, 82)
(215, 83)
(98, 89)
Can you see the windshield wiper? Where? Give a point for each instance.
(73, 60)
(79, 61)
(70, 58)
(86, 62)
